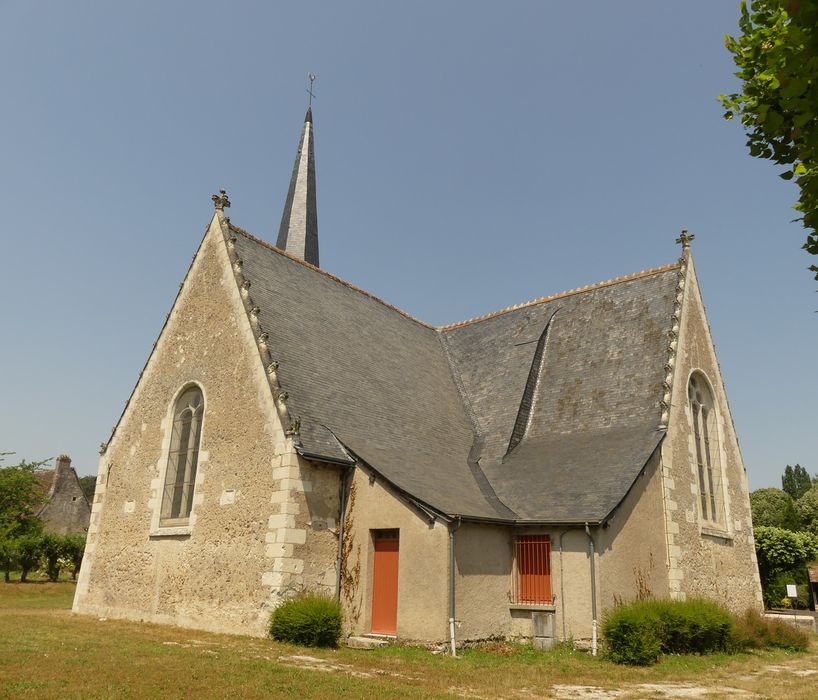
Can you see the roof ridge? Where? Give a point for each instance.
(540, 300)
(562, 295)
(329, 275)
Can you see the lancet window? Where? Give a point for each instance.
(183, 458)
(706, 441)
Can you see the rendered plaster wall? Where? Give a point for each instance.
(423, 562)
(714, 562)
(259, 511)
(484, 563)
(633, 548)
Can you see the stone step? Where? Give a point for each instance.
(366, 642)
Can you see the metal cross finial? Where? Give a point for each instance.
(220, 201)
(685, 239)
(311, 77)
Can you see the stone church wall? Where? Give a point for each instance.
(717, 563)
(633, 548)
(259, 511)
(423, 564)
(484, 565)
(630, 559)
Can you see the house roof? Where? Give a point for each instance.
(576, 378)
(45, 482)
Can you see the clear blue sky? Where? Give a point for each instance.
(470, 156)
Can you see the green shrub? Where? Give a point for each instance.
(309, 620)
(639, 632)
(52, 548)
(754, 631)
(694, 627)
(73, 550)
(8, 557)
(29, 554)
(632, 635)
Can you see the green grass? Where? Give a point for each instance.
(37, 595)
(48, 652)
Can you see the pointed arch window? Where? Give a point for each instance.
(183, 458)
(706, 445)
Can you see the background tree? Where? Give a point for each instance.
(807, 507)
(52, 548)
(74, 549)
(777, 60)
(20, 498)
(8, 557)
(88, 485)
(774, 508)
(783, 556)
(796, 481)
(29, 554)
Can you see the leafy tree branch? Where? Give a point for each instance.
(777, 59)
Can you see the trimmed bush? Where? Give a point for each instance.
(29, 555)
(754, 631)
(695, 627)
(309, 620)
(74, 550)
(640, 632)
(52, 549)
(632, 635)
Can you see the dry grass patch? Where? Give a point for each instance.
(47, 652)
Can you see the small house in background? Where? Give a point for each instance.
(65, 508)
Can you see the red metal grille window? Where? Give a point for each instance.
(532, 579)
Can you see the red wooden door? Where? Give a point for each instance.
(385, 584)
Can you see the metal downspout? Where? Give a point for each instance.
(592, 553)
(454, 527)
(341, 518)
(562, 587)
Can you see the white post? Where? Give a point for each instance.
(593, 638)
(451, 636)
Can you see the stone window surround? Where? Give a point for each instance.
(157, 484)
(720, 529)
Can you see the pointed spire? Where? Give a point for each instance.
(298, 233)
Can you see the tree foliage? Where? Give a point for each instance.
(20, 499)
(88, 485)
(774, 508)
(777, 59)
(807, 507)
(796, 481)
(781, 550)
(29, 554)
(73, 551)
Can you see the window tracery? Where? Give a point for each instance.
(183, 458)
(706, 445)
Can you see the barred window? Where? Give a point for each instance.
(706, 442)
(180, 475)
(532, 574)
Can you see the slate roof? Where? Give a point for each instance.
(433, 410)
(298, 232)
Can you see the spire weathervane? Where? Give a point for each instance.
(684, 239)
(311, 77)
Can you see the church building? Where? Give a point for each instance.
(512, 475)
